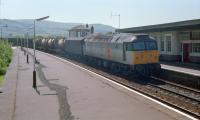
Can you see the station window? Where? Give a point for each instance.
(196, 47)
(195, 35)
(168, 43)
(184, 35)
(162, 45)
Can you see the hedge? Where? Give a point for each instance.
(5, 56)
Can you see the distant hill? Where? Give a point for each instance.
(45, 28)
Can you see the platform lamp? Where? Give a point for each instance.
(34, 58)
(27, 37)
(2, 30)
(27, 44)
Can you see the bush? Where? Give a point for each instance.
(5, 56)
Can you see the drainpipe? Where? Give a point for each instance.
(182, 51)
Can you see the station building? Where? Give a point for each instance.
(80, 31)
(177, 41)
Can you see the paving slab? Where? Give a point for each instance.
(67, 92)
(19, 100)
(31, 104)
(7, 97)
(90, 97)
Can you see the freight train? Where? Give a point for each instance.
(124, 53)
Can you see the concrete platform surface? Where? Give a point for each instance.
(67, 92)
(182, 69)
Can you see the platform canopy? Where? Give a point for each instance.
(174, 26)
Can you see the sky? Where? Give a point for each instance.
(133, 13)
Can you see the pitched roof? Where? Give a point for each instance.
(79, 27)
(181, 25)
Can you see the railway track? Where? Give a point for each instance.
(182, 90)
(187, 104)
(180, 97)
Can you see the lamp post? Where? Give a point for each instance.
(2, 30)
(34, 58)
(27, 42)
(24, 45)
(21, 43)
(27, 48)
(116, 15)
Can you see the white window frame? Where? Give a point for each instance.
(195, 50)
(165, 43)
(162, 49)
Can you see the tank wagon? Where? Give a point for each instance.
(45, 42)
(59, 45)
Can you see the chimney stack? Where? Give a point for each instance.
(87, 25)
(92, 30)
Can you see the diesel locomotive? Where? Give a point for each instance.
(127, 53)
(121, 52)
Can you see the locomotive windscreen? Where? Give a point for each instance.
(151, 45)
(140, 46)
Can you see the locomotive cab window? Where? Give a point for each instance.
(151, 45)
(138, 46)
(129, 47)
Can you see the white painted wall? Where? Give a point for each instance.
(175, 46)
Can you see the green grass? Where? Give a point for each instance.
(1, 79)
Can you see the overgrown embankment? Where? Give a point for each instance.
(5, 58)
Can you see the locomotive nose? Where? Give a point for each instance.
(143, 70)
(145, 57)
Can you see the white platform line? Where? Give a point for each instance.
(178, 111)
(181, 71)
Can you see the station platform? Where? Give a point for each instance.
(66, 91)
(186, 68)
